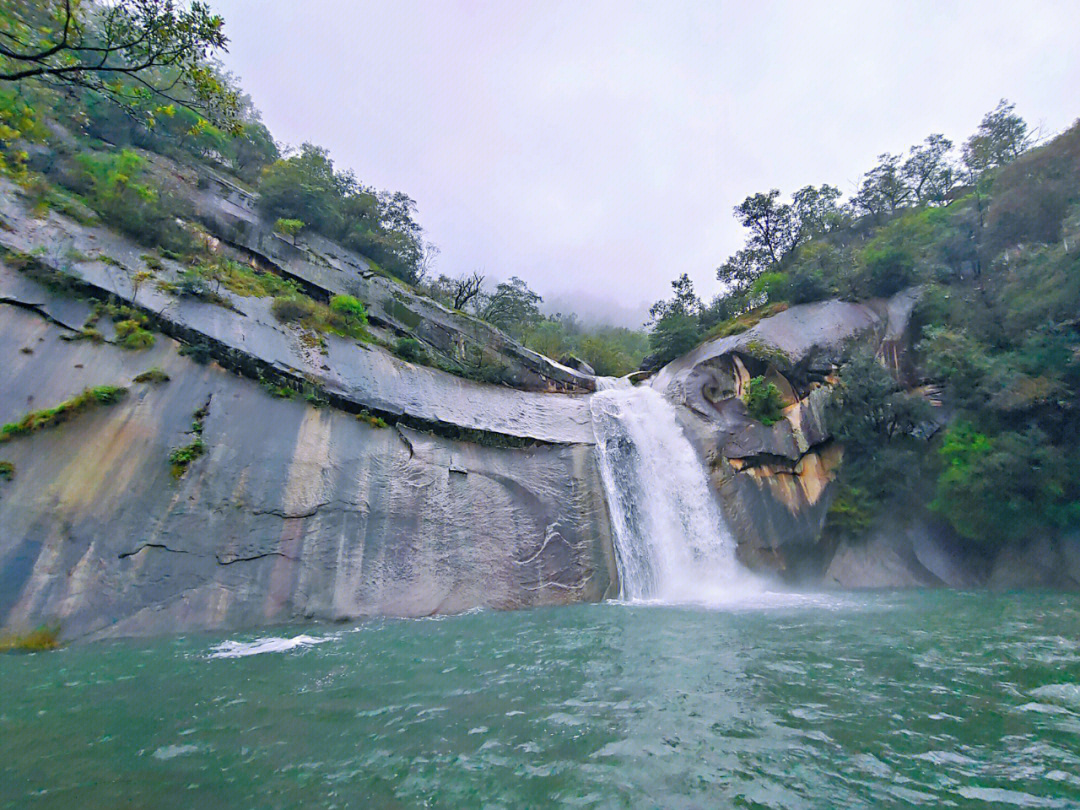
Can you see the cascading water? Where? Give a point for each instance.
(671, 542)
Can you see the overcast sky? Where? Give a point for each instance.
(596, 148)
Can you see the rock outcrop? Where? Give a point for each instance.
(775, 481)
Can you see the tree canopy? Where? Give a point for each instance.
(125, 50)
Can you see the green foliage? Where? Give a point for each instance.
(673, 336)
(180, 458)
(199, 350)
(131, 336)
(994, 489)
(288, 227)
(378, 225)
(513, 308)
(51, 417)
(764, 401)
(277, 391)
(137, 55)
(154, 376)
(116, 187)
(153, 262)
(852, 510)
(410, 349)
(310, 314)
(880, 428)
(349, 308)
(371, 419)
(738, 324)
(7, 470)
(39, 640)
(889, 268)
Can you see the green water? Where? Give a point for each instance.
(927, 699)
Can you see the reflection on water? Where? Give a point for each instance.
(932, 699)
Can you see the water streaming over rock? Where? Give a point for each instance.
(671, 542)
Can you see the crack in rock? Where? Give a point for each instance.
(125, 554)
(230, 560)
(38, 309)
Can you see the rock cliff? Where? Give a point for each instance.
(775, 483)
(398, 489)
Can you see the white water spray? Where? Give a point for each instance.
(671, 542)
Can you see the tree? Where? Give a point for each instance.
(740, 271)
(773, 229)
(676, 329)
(673, 336)
(816, 211)
(349, 308)
(513, 307)
(928, 172)
(777, 229)
(883, 189)
(684, 302)
(126, 50)
(1002, 137)
(465, 289)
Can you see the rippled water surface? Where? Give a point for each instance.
(931, 699)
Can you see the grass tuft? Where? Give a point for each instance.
(51, 417)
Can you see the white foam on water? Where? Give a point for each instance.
(273, 644)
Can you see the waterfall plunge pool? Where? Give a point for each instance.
(930, 699)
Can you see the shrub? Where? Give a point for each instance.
(288, 227)
(241, 279)
(349, 308)
(410, 349)
(371, 419)
(115, 186)
(154, 375)
(181, 457)
(151, 261)
(889, 268)
(994, 489)
(200, 351)
(44, 638)
(763, 401)
(295, 309)
(277, 391)
(7, 470)
(51, 417)
(303, 311)
(131, 336)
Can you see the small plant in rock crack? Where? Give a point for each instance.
(181, 457)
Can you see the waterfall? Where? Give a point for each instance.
(671, 542)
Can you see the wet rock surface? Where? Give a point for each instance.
(293, 511)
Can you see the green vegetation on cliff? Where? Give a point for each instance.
(84, 139)
(58, 414)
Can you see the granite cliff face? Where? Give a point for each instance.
(470, 495)
(774, 482)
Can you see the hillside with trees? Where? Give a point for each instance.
(991, 231)
(90, 92)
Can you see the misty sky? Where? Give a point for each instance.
(596, 148)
